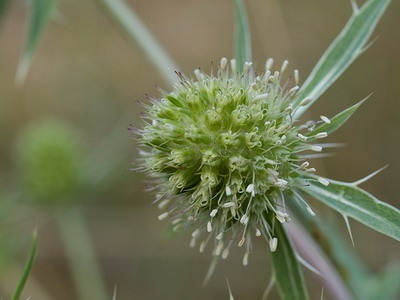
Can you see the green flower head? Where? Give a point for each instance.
(50, 159)
(225, 150)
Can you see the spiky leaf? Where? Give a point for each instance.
(352, 201)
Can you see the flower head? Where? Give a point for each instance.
(224, 150)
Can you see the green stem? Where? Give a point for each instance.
(84, 266)
(310, 251)
(138, 32)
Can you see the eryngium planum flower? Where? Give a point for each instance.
(224, 151)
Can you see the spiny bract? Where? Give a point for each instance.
(225, 150)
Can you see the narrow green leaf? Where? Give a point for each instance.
(336, 122)
(347, 46)
(40, 12)
(242, 37)
(138, 32)
(27, 268)
(289, 276)
(350, 200)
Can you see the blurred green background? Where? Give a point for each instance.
(87, 75)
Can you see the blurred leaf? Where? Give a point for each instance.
(242, 38)
(349, 200)
(289, 276)
(40, 12)
(3, 7)
(387, 286)
(27, 268)
(139, 33)
(347, 46)
(336, 122)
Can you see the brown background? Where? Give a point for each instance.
(88, 73)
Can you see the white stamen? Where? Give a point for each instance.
(267, 123)
(244, 219)
(202, 246)
(284, 66)
(192, 243)
(282, 217)
(176, 221)
(233, 65)
(272, 172)
(302, 137)
(258, 232)
(294, 89)
(321, 135)
(316, 148)
(241, 242)
(250, 188)
(219, 248)
(281, 182)
(245, 259)
(273, 243)
(219, 236)
(228, 204)
(223, 63)
(304, 165)
(209, 226)
(196, 233)
(198, 74)
(225, 253)
(325, 119)
(269, 63)
(213, 213)
(261, 96)
(228, 191)
(163, 216)
(296, 76)
(311, 170)
(163, 203)
(323, 181)
(247, 66)
(305, 101)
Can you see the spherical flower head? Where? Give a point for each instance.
(224, 150)
(50, 159)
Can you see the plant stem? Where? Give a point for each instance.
(84, 266)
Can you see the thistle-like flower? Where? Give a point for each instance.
(225, 151)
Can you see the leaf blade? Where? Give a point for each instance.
(27, 268)
(40, 13)
(242, 36)
(127, 18)
(336, 122)
(346, 47)
(289, 277)
(352, 201)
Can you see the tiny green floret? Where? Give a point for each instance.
(224, 150)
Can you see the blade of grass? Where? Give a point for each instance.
(347, 46)
(289, 276)
(138, 32)
(242, 36)
(27, 269)
(40, 12)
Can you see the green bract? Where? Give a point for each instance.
(225, 149)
